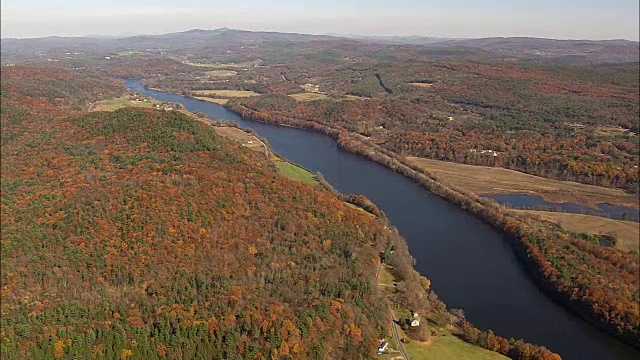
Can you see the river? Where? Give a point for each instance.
(469, 264)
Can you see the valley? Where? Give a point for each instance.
(241, 193)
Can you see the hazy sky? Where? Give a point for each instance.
(575, 19)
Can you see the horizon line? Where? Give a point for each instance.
(336, 35)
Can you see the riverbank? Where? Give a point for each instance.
(484, 258)
(536, 247)
(450, 345)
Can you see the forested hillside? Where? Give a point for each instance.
(142, 234)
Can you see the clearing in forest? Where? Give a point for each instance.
(122, 102)
(627, 232)
(422, 85)
(221, 73)
(615, 131)
(297, 173)
(309, 96)
(246, 139)
(246, 64)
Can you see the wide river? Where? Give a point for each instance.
(470, 265)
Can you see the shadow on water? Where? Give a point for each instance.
(470, 265)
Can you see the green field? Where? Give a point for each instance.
(213, 100)
(119, 103)
(614, 131)
(450, 347)
(385, 277)
(297, 173)
(309, 96)
(221, 73)
(353, 97)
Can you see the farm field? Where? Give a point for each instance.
(309, 96)
(226, 93)
(119, 103)
(224, 65)
(484, 180)
(627, 232)
(243, 137)
(297, 173)
(450, 347)
(221, 73)
(213, 100)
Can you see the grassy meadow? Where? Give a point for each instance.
(119, 103)
(627, 232)
(309, 96)
(450, 347)
(213, 100)
(297, 173)
(484, 180)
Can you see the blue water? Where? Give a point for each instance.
(469, 264)
(528, 201)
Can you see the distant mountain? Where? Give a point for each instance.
(191, 39)
(203, 41)
(567, 51)
(400, 40)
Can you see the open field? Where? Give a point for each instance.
(450, 347)
(353, 97)
(309, 96)
(221, 73)
(359, 209)
(423, 85)
(484, 180)
(243, 137)
(128, 53)
(223, 66)
(297, 173)
(229, 94)
(119, 103)
(627, 232)
(614, 131)
(213, 100)
(253, 143)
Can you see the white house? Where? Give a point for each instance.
(414, 320)
(382, 346)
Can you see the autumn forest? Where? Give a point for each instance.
(143, 233)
